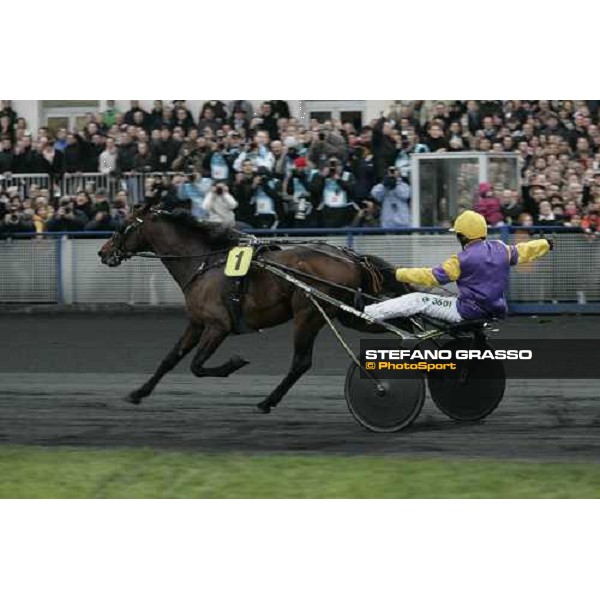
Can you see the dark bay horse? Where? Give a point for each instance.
(194, 253)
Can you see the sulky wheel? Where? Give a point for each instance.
(393, 409)
(474, 390)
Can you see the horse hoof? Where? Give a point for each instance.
(265, 409)
(132, 399)
(238, 362)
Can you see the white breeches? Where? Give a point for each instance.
(432, 305)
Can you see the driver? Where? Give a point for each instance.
(480, 271)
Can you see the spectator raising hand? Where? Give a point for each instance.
(220, 205)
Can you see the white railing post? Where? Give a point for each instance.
(415, 191)
(484, 168)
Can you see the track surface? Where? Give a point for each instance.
(62, 377)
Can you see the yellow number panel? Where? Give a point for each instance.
(238, 261)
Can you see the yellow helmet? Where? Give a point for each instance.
(470, 224)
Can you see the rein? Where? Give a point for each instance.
(250, 239)
(152, 255)
(312, 277)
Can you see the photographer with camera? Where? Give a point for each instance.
(298, 188)
(193, 189)
(393, 196)
(220, 205)
(266, 200)
(160, 191)
(101, 219)
(67, 217)
(218, 163)
(15, 221)
(332, 192)
(192, 153)
(257, 152)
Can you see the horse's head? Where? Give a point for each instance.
(126, 240)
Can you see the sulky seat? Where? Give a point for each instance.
(470, 326)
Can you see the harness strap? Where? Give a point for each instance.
(202, 268)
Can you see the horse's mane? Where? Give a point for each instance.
(214, 234)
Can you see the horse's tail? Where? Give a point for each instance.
(378, 278)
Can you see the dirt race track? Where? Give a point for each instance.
(62, 377)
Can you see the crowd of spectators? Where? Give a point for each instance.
(260, 167)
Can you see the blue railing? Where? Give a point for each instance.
(322, 231)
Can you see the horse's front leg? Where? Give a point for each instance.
(187, 341)
(212, 337)
(307, 323)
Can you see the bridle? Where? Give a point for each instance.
(119, 238)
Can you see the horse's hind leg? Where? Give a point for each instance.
(307, 324)
(211, 339)
(187, 341)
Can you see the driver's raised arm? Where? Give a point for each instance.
(528, 251)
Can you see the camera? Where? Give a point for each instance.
(158, 185)
(301, 209)
(263, 173)
(219, 189)
(321, 136)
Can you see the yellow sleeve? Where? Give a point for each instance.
(530, 251)
(448, 271)
(418, 276)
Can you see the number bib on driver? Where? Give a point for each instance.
(238, 261)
